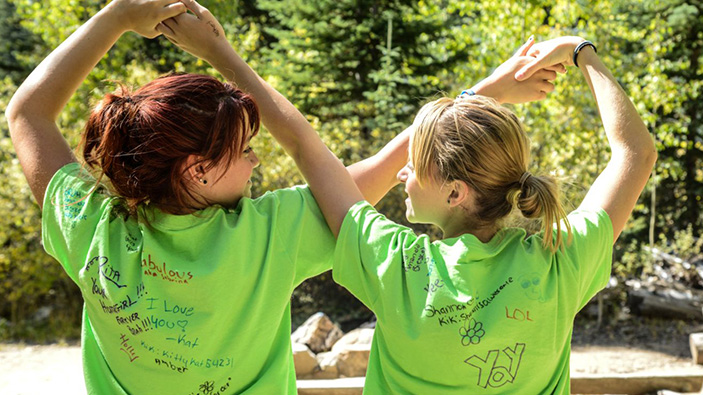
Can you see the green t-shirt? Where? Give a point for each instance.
(190, 304)
(459, 316)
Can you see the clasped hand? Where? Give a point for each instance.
(144, 16)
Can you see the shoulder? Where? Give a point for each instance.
(587, 226)
(585, 219)
(299, 195)
(74, 193)
(365, 223)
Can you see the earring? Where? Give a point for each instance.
(203, 181)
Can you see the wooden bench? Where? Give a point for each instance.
(627, 383)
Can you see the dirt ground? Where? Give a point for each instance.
(628, 347)
(633, 345)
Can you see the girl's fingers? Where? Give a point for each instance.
(533, 52)
(522, 51)
(559, 68)
(165, 29)
(195, 7)
(529, 69)
(546, 74)
(546, 87)
(173, 9)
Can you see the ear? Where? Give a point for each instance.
(194, 168)
(459, 193)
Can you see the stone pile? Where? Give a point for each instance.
(322, 351)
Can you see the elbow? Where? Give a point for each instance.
(644, 159)
(642, 155)
(11, 113)
(653, 156)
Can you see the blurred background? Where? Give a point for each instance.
(360, 70)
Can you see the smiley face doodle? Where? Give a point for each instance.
(531, 284)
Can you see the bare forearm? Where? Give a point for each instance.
(627, 134)
(33, 110)
(376, 175)
(618, 187)
(44, 94)
(280, 117)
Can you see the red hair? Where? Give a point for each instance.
(141, 141)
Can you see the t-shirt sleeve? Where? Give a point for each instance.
(590, 252)
(368, 259)
(302, 229)
(72, 210)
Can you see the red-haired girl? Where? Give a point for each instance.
(186, 279)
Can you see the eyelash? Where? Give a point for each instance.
(247, 150)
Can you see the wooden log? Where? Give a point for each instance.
(581, 383)
(695, 340)
(666, 304)
(345, 386)
(636, 383)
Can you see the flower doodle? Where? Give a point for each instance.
(207, 387)
(471, 332)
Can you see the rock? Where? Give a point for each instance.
(696, 343)
(42, 315)
(369, 324)
(304, 360)
(352, 360)
(326, 366)
(348, 361)
(318, 333)
(359, 336)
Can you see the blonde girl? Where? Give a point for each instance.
(489, 309)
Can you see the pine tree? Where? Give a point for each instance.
(360, 67)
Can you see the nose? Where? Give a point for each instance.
(402, 175)
(254, 159)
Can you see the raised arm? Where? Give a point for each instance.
(376, 175)
(201, 35)
(35, 107)
(335, 191)
(618, 187)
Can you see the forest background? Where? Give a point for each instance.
(360, 70)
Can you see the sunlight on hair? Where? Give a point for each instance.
(478, 141)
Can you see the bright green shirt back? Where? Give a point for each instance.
(459, 316)
(191, 304)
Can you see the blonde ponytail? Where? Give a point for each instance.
(538, 197)
(480, 142)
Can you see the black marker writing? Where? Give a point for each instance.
(489, 373)
(106, 270)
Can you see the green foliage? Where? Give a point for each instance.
(29, 278)
(359, 70)
(17, 43)
(685, 244)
